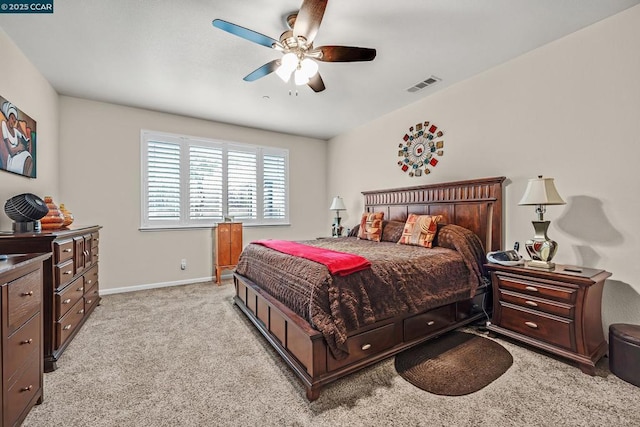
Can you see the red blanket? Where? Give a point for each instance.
(338, 263)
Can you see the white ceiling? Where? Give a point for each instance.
(166, 56)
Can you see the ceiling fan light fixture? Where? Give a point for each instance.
(309, 67)
(300, 77)
(288, 63)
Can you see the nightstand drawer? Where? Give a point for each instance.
(539, 289)
(551, 329)
(531, 302)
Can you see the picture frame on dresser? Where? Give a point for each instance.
(70, 285)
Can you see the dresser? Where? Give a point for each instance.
(558, 310)
(22, 345)
(227, 245)
(70, 287)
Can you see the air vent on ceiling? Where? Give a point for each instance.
(425, 83)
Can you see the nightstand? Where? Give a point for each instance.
(555, 310)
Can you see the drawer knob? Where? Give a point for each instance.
(27, 388)
(531, 325)
(431, 323)
(89, 282)
(89, 301)
(80, 289)
(67, 272)
(366, 347)
(66, 250)
(531, 303)
(532, 288)
(29, 341)
(27, 294)
(67, 301)
(81, 311)
(66, 328)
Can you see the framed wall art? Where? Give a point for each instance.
(420, 149)
(18, 145)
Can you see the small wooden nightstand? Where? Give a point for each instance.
(555, 310)
(227, 246)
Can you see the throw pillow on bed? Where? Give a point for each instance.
(371, 226)
(420, 230)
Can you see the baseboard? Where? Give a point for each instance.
(159, 285)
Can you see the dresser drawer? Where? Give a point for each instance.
(26, 386)
(63, 273)
(22, 344)
(432, 321)
(91, 298)
(62, 251)
(542, 290)
(24, 299)
(362, 345)
(551, 329)
(69, 296)
(66, 325)
(534, 303)
(91, 277)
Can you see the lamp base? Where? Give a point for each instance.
(541, 249)
(546, 265)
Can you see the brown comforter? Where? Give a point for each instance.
(402, 280)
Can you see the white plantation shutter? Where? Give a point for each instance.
(205, 183)
(274, 181)
(242, 197)
(163, 186)
(195, 182)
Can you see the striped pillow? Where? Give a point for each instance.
(420, 230)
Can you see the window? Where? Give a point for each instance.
(196, 182)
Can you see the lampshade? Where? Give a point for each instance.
(337, 204)
(541, 191)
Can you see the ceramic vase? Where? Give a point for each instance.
(68, 216)
(54, 219)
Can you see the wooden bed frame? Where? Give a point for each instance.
(474, 204)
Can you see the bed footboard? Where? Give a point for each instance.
(306, 352)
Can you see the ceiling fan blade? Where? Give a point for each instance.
(309, 19)
(267, 68)
(346, 54)
(245, 33)
(316, 83)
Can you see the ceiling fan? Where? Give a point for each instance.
(299, 55)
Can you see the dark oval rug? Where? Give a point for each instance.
(455, 364)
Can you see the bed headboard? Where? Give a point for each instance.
(475, 204)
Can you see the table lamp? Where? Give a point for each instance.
(541, 192)
(337, 205)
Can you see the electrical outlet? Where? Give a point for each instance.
(183, 264)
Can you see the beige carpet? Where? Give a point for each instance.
(185, 356)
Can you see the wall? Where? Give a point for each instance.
(567, 110)
(27, 89)
(100, 183)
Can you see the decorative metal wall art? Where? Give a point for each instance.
(420, 149)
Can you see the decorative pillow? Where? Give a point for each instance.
(392, 231)
(371, 226)
(420, 230)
